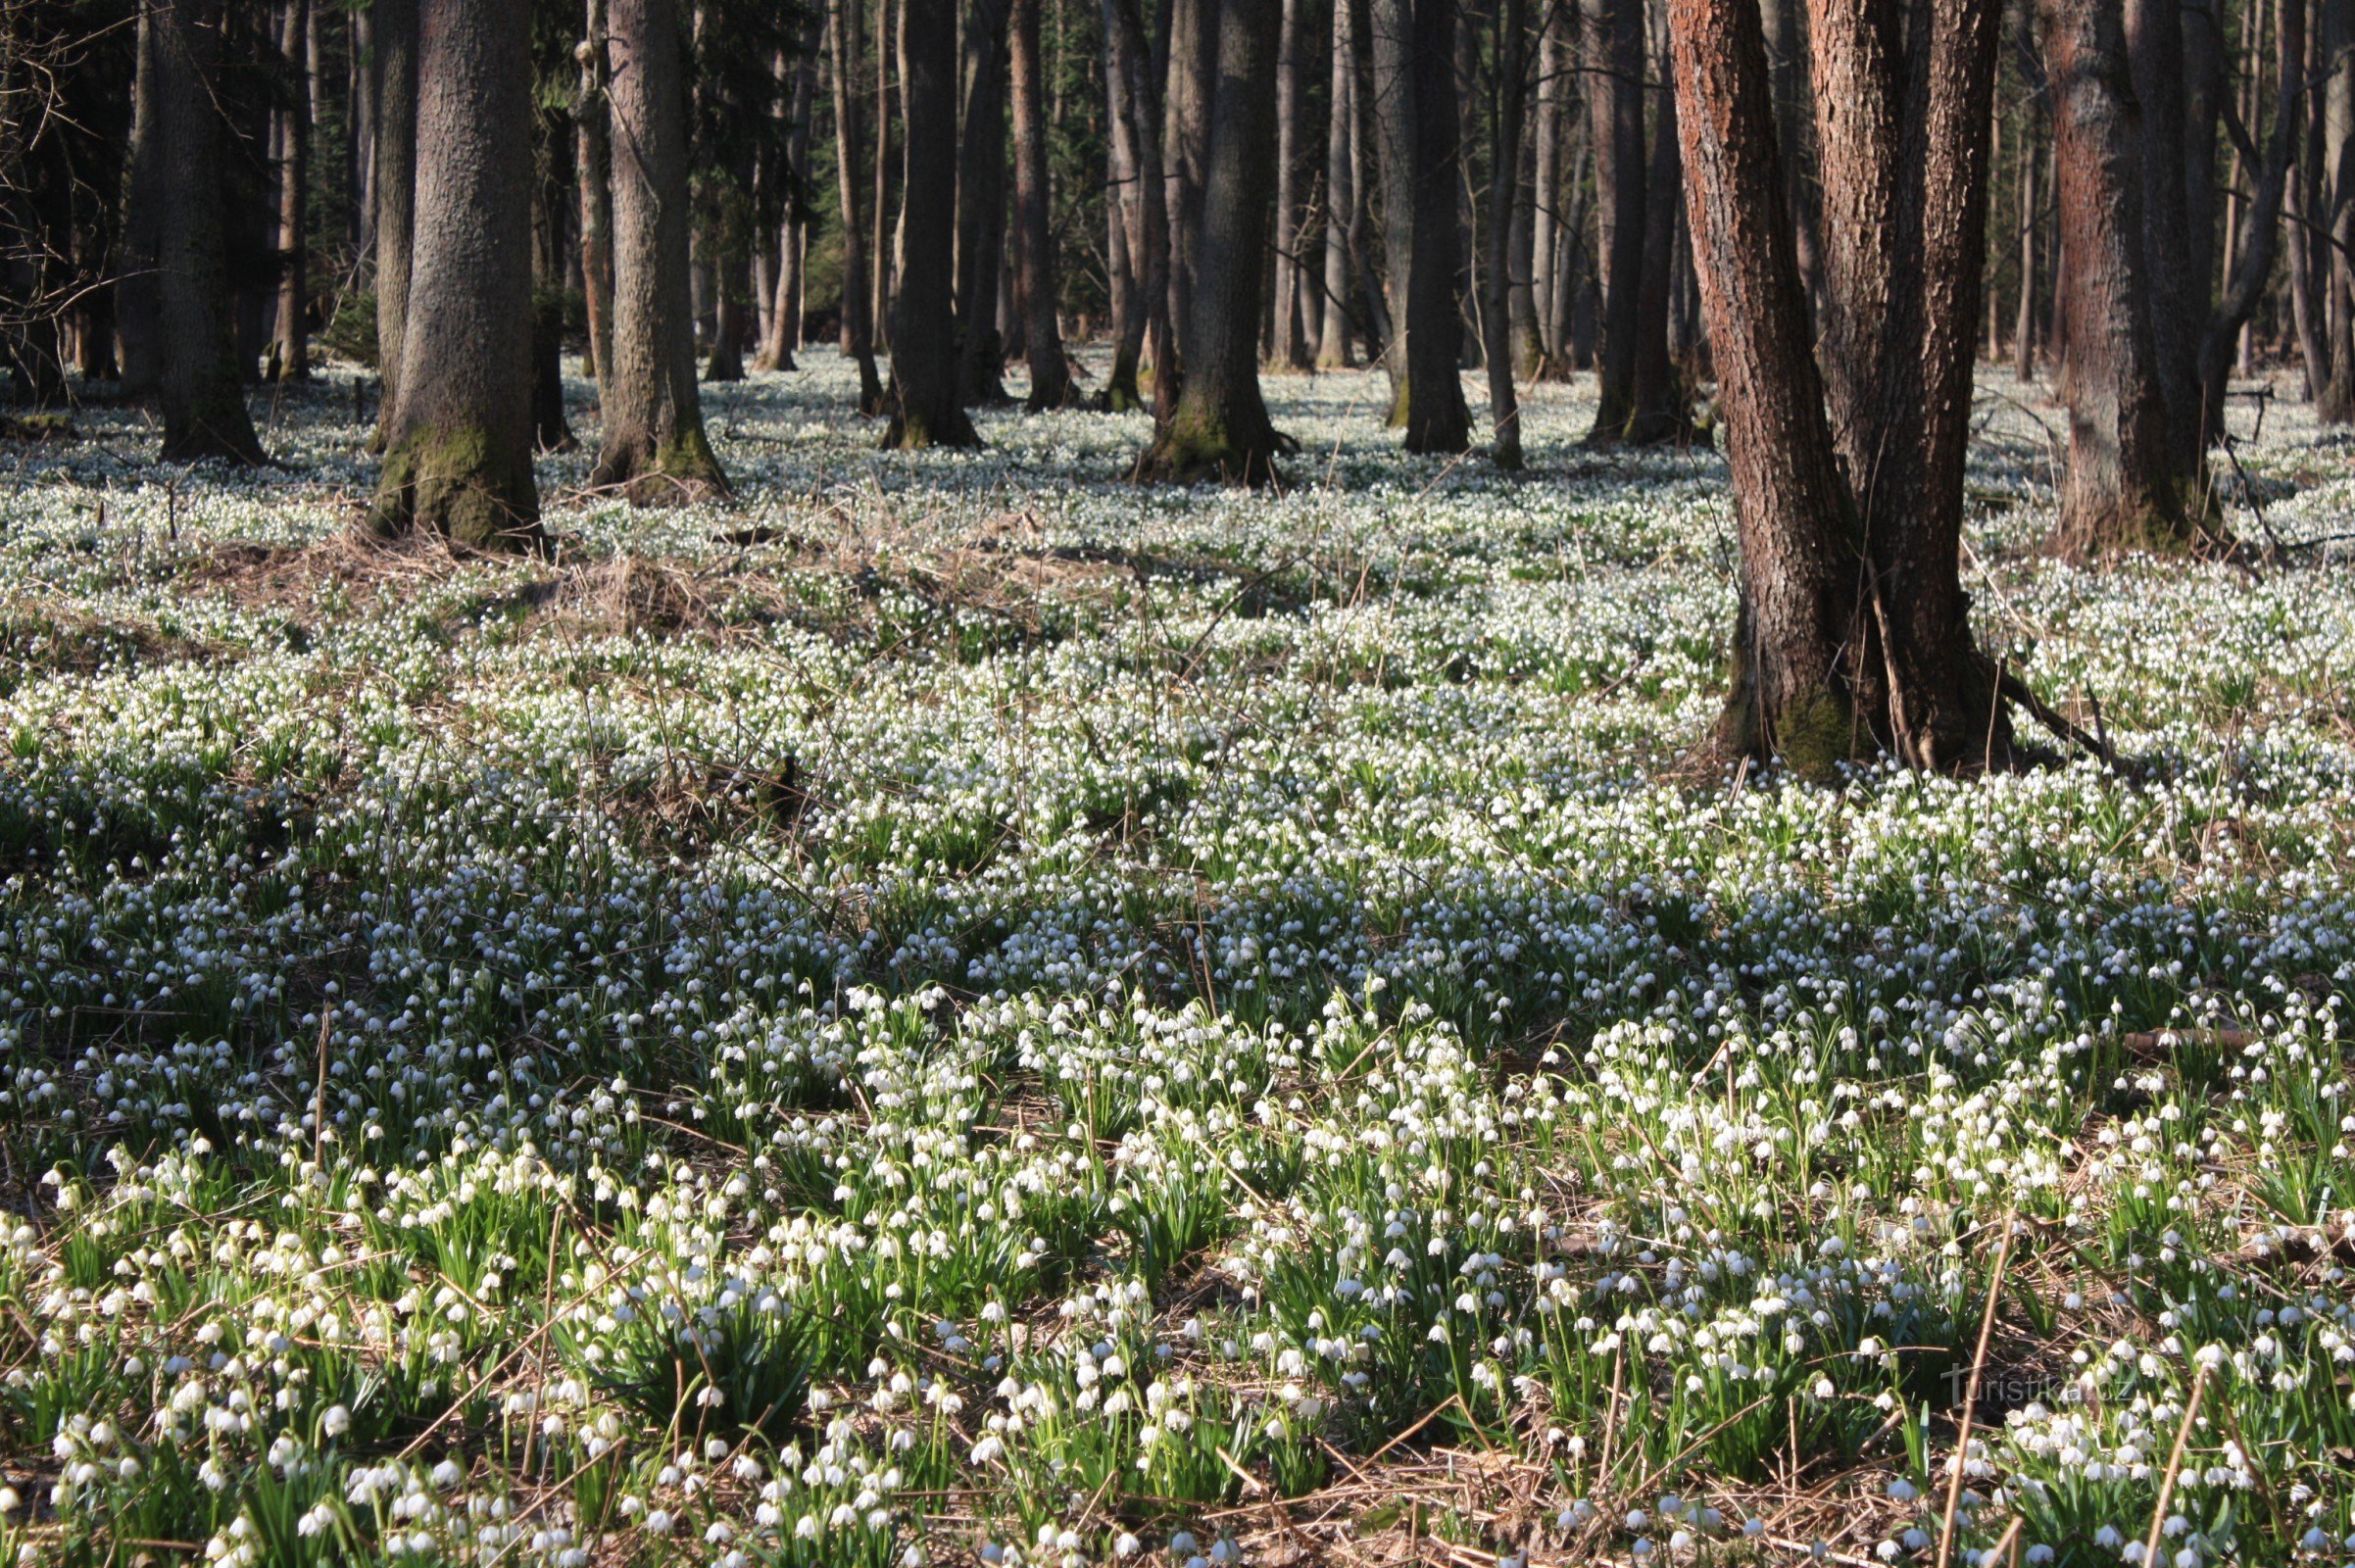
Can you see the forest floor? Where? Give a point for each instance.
(964, 1011)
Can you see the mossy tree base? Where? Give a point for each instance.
(2164, 519)
(1188, 449)
(913, 430)
(215, 425)
(462, 484)
(677, 472)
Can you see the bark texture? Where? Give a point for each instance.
(291, 349)
(857, 324)
(396, 193)
(1505, 184)
(653, 447)
(201, 393)
(1340, 193)
(1219, 427)
(460, 459)
(1417, 124)
(925, 409)
(1034, 228)
(1854, 633)
(2124, 487)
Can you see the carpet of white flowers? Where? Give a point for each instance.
(964, 1011)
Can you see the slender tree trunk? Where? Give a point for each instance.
(1546, 252)
(200, 391)
(361, 31)
(2250, 267)
(654, 449)
(1042, 339)
(1852, 634)
(1340, 193)
(843, 19)
(925, 408)
(2024, 323)
(2175, 268)
(1289, 350)
(594, 117)
(1186, 106)
(981, 207)
(883, 277)
(1659, 407)
(2123, 490)
(1220, 425)
(2336, 406)
(292, 341)
(1509, 51)
(460, 459)
(138, 294)
(396, 193)
(1615, 113)
(1151, 244)
(784, 328)
(1416, 113)
(1125, 210)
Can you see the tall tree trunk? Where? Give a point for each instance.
(594, 165)
(138, 294)
(1509, 53)
(1220, 425)
(880, 250)
(1288, 350)
(981, 208)
(460, 459)
(1416, 113)
(1125, 210)
(1149, 245)
(2250, 267)
(1660, 407)
(1340, 193)
(843, 19)
(925, 410)
(1853, 632)
(292, 339)
(2174, 266)
(201, 393)
(2123, 488)
(784, 332)
(1545, 202)
(2024, 321)
(1185, 152)
(1785, 23)
(361, 133)
(396, 194)
(2336, 406)
(653, 449)
(1614, 39)
(1033, 231)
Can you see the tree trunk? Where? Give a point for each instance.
(594, 165)
(981, 208)
(1150, 241)
(291, 347)
(2336, 406)
(1417, 121)
(2175, 267)
(843, 19)
(1220, 427)
(139, 293)
(653, 449)
(925, 408)
(460, 459)
(1288, 352)
(1659, 407)
(2249, 268)
(1547, 253)
(1852, 634)
(1615, 114)
(784, 333)
(1504, 187)
(1340, 193)
(1185, 150)
(2024, 321)
(882, 261)
(396, 195)
(1124, 212)
(202, 395)
(1033, 231)
(2123, 489)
